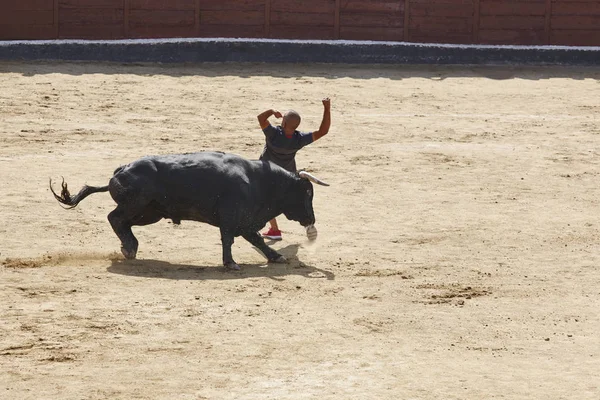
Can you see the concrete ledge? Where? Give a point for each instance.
(292, 51)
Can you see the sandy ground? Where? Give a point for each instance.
(457, 256)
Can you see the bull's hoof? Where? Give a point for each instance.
(129, 254)
(279, 260)
(232, 265)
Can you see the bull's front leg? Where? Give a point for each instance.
(257, 241)
(227, 241)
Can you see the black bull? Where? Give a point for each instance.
(224, 190)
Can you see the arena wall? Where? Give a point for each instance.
(518, 22)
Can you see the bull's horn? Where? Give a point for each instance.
(306, 175)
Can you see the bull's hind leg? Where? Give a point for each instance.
(121, 224)
(122, 221)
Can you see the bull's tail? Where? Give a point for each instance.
(71, 202)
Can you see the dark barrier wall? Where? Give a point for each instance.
(560, 22)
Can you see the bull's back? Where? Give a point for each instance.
(183, 186)
(201, 174)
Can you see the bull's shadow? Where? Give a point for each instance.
(167, 270)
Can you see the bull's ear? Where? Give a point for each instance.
(312, 178)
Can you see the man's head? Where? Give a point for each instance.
(291, 120)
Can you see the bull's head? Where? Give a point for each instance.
(299, 199)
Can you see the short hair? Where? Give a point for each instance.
(293, 117)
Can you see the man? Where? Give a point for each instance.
(283, 142)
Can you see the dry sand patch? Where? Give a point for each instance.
(457, 253)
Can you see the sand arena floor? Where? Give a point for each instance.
(457, 255)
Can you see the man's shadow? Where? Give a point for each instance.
(167, 270)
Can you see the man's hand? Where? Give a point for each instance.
(263, 118)
(327, 103)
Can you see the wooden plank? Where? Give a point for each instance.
(309, 6)
(559, 8)
(126, 12)
(139, 18)
(91, 3)
(56, 22)
(390, 20)
(301, 32)
(372, 5)
(574, 1)
(26, 32)
(575, 22)
(98, 16)
(441, 24)
(85, 31)
(506, 36)
(180, 5)
(371, 33)
(433, 3)
(156, 32)
(21, 5)
(502, 7)
(303, 19)
(232, 31)
(442, 10)
(525, 3)
(267, 18)
(512, 22)
(197, 18)
(441, 37)
(336, 21)
(476, 20)
(580, 37)
(407, 6)
(27, 17)
(232, 18)
(547, 16)
(237, 5)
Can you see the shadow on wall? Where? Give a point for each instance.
(167, 270)
(299, 71)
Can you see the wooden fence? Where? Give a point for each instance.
(563, 22)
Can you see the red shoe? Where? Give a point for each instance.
(272, 234)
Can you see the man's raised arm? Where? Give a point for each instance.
(326, 122)
(263, 118)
